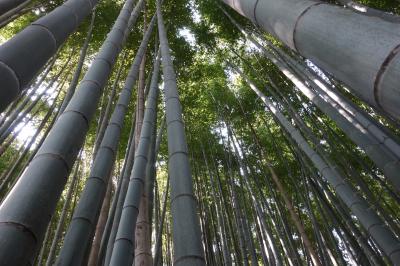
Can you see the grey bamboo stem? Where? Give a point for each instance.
(121, 197)
(158, 244)
(244, 172)
(94, 251)
(142, 251)
(221, 232)
(118, 195)
(122, 253)
(313, 27)
(81, 229)
(188, 248)
(18, 65)
(151, 172)
(40, 186)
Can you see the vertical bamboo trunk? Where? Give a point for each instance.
(39, 188)
(238, 219)
(204, 220)
(151, 172)
(119, 193)
(239, 247)
(129, 160)
(186, 229)
(143, 254)
(124, 242)
(369, 61)
(158, 244)
(381, 234)
(19, 65)
(260, 213)
(140, 94)
(156, 225)
(221, 231)
(142, 232)
(81, 229)
(94, 252)
(295, 217)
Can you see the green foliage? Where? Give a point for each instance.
(211, 95)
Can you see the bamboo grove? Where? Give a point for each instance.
(199, 132)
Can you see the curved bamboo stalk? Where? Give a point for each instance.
(311, 27)
(43, 181)
(16, 13)
(142, 250)
(6, 16)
